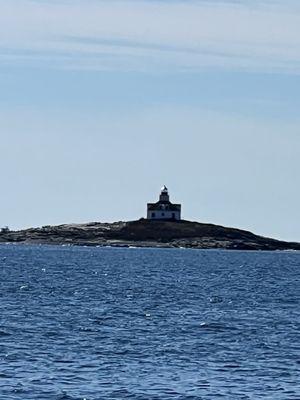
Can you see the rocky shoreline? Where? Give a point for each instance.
(147, 233)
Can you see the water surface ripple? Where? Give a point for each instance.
(93, 323)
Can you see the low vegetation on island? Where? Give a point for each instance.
(146, 233)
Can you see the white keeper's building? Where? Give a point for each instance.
(164, 209)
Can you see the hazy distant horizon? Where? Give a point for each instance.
(103, 102)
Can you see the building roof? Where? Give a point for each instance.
(163, 205)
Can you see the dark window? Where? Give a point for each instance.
(163, 214)
(153, 215)
(173, 215)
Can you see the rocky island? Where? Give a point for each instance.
(147, 233)
(162, 228)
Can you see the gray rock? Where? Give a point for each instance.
(147, 233)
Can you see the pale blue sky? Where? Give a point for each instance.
(103, 102)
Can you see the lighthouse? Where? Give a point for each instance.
(164, 209)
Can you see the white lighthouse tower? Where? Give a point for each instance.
(164, 194)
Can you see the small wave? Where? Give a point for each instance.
(4, 333)
(216, 327)
(4, 376)
(65, 396)
(51, 333)
(24, 287)
(215, 299)
(64, 362)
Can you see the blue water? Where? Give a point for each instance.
(94, 323)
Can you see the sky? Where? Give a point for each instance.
(102, 102)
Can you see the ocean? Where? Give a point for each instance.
(122, 323)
